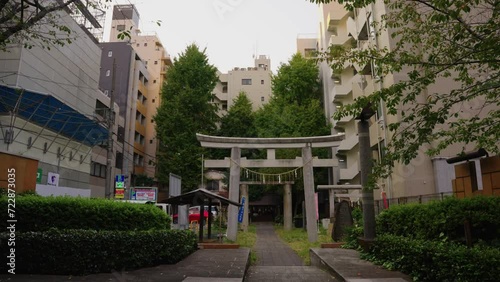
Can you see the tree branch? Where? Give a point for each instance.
(32, 21)
(458, 18)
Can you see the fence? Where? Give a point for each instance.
(421, 199)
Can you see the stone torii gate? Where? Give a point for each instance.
(307, 162)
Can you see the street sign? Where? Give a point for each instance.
(39, 176)
(119, 193)
(120, 181)
(242, 209)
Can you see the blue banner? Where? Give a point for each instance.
(242, 209)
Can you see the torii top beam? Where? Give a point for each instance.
(327, 141)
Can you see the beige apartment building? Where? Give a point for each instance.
(254, 81)
(149, 50)
(337, 26)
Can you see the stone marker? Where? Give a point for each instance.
(343, 219)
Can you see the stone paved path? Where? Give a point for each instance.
(278, 262)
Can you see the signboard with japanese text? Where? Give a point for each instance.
(242, 210)
(144, 194)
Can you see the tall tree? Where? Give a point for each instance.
(29, 22)
(295, 108)
(297, 81)
(435, 42)
(239, 120)
(185, 110)
(294, 111)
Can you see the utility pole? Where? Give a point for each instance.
(109, 177)
(202, 157)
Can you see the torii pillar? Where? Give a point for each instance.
(234, 194)
(287, 207)
(312, 229)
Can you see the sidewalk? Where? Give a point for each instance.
(227, 265)
(278, 262)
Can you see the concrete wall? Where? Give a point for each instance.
(72, 172)
(259, 92)
(306, 45)
(48, 190)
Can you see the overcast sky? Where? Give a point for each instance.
(231, 30)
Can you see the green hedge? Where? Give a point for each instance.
(35, 213)
(79, 252)
(445, 218)
(436, 260)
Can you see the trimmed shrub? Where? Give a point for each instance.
(436, 260)
(35, 213)
(80, 252)
(445, 218)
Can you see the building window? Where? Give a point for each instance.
(138, 159)
(152, 120)
(120, 27)
(110, 53)
(156, 62)
(308, 52)
(119, 160)
(108, 73)
(246, 81)
(121, 134)
(139, 96)
(262, 81)
(213, 185)
(145, 44)
(151, 141)
(262, 98)
(98, 170)
(154, 80)
(138, 44)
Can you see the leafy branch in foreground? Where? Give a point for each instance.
(446, 54)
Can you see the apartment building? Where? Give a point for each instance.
(48, 109)
(254, 81)
(130, 93)
(337, 26)
(142, 69)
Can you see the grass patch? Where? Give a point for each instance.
(247, 240)
(298, 241)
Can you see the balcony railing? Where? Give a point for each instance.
(336, 15)
(348, 143)
(349, 173)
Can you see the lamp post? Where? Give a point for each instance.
(365, 161)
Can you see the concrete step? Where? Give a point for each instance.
(346, 265)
